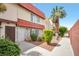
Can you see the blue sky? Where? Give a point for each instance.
(72, 11)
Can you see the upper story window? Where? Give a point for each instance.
(38, 20)
(41, 21)
(35, 18)
(32, 17)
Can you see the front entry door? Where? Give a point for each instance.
(10, 33)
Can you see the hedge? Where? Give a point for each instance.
(48, 34)
(8, 48)
(62, 31)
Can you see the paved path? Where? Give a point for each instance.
(64, 49)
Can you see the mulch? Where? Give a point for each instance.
(44, 44)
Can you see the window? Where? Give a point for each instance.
(38, 20)
(36, 31)
(32, 17)
(35, 18)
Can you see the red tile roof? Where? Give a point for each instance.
(33, 9)
(28, 24)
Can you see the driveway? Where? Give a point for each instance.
(64, 49)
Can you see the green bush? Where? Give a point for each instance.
(62, 31)
(33, 36)
(48, 36)
(40, 38)
(8, 48)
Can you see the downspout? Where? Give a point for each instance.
(16, 26)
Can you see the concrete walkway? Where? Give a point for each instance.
(64, 49)
(32, 50)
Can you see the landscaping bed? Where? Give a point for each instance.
(47, 41)
(44, 44)
(49, 47)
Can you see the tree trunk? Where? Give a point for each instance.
(57, 28)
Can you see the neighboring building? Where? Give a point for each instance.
(48, 24)
(18, 21)
(74, 37)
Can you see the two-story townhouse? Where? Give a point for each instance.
(19, 20)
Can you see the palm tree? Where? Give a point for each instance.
(57, 13)
(2, 7)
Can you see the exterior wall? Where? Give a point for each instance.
(3, 28)
(23, 14)
(74, 37)
(40, 33)
(32, 9)
(36, 19)
(22, 34)
(27, 15)
(11, 13)
(42, 21)
(14, 12)
(48, 25)
(39, 20)
(28, 34)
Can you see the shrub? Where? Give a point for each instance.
(48, 36)
(40, 38)
(62, 31)
(33, 36)
(8, 48)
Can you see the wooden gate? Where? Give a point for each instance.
(10, 33)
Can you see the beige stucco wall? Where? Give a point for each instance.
(39, 20)
(21, 34)
(11, 13)
(40, 33)
(48, 24)
(14, 11)
(26, 15)
(23, 14)
(42, 21)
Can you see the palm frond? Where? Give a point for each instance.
(63, 14)
(61, 8)
(57, 12)
(56, 8)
